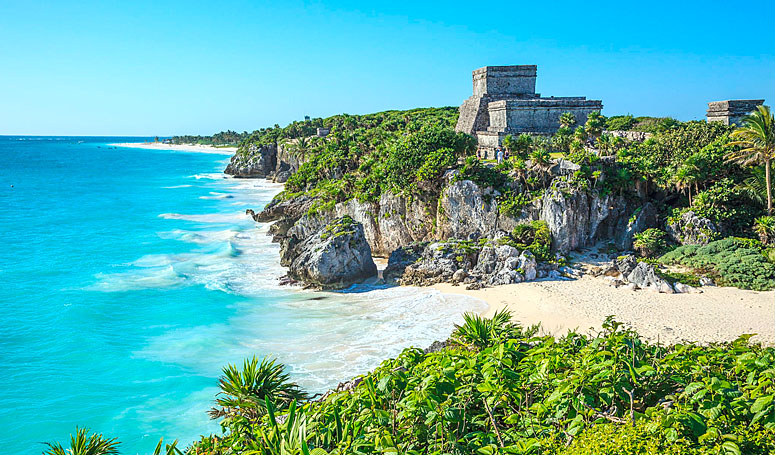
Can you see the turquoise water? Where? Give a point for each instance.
(129, 277)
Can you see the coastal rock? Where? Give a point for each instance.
(401, 258)
(401, 221)
(255, 162)
(691, 229)
(335, 256)
(577, 218)
(681, 288)
(528, 265)
(705, 281)
(464, 209)
(645, 217)
(642, 275)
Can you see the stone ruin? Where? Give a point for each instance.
(505, 102)
(731, 111)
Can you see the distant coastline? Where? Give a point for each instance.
(198, 148)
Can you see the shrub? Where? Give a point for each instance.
(736, 262)
(496, 388)
(511, 203)
(650, 242)
(535, 237)
(764, 227)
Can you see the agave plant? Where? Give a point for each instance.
(82, 443)
(244, 392)
(764, 226)
(481, 333)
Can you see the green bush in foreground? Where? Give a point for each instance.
(735, 262)
(497, 388)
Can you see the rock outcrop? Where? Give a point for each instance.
(335, 256)
(256, 162)
(645, 217)
(577, 218)
(691, 229)
(424, 264)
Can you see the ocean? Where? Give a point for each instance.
(129, 277)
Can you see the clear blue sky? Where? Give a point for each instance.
(198, 67)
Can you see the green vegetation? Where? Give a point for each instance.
(650, 242)
(757, 137)
(534, 237)
(500, 388)
(735, 262)
(224, 138)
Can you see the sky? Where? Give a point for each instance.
(188, 67)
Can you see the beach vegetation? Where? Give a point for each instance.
(650, 242)
(731, 261)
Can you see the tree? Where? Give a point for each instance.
(685, 177)
(595, 124)
(567, 120)
(84, 444)
(519, 146)
(757, 137)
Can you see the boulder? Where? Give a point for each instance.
(681, 288)
(254, 162)
(645, 277)
(705, 281)
(691, 229)
(335, 256)
(401, 258)
(527, 265)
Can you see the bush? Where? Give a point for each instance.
(764, 227)
(736, 262)
(496, 388)
(535, 237)
(727, 206)
(650, 242)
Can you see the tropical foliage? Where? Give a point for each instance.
(499, 388)
(734, 262)
(757, 138)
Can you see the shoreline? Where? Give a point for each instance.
(718, 314)
(197, 148)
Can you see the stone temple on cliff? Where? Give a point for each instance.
(505, 102)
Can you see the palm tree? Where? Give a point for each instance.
(757, 137)
(246, 391)
(84, 444)
(684, 178)
(567, 120)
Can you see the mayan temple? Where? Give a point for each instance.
(505, 102)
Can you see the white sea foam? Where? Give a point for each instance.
(177, 186)
(207, 218)
(216, 195)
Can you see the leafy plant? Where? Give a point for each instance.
(757, 137)
(764, 227)
(82, 443)
(650, 242)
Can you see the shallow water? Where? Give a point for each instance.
(129, 277)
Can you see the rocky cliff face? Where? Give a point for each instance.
(259, 162)
(276, 162)
(463, 210)
(334, 256)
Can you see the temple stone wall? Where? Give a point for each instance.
(731, 112)
(495, 81)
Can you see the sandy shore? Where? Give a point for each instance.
(718, 314)
(180, 147)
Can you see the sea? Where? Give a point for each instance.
(130, 277)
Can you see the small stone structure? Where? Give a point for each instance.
(731, 111)
(322, 132)
(505, 102)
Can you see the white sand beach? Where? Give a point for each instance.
(718, 314)
(179, 147)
